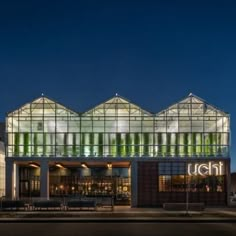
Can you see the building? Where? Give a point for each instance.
(233, 183)
(2, 159)
(2, 169)
(2, 131)
(117, 148)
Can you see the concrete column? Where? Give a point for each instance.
(9, 179)
(134, 183)
(17, 181)
(44, 179)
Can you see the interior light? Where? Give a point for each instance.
(84, 165)
(59, 165)
(35, 165)
(109, 165)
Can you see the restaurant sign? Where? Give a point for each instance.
(206, 168)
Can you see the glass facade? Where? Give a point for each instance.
(118, 128)
(173, 178)
(77, 181)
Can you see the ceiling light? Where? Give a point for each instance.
(109, 165)
(59, 165)
(35, 165)
(84, 165)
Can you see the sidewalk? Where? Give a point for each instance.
(122, 213)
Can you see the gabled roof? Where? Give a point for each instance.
(43, 103)
(192, 105)
(117, 106)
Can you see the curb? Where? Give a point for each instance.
(118, 220)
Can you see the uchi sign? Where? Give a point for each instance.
(207, 168)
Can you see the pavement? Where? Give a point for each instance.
(122, 214)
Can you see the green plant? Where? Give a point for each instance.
(137, 143)
(159, 142)
(74, 153)
(91, 143)
(82, 143)
(146, 144)
(123, 149)
(16, 142)
(206, 144)
(200, 143)
(168, 143)
(113, 147)
(210, 143)
(44, 144)
(219, 149)
(100, 144)
(163, 148)
(214, 143)
(190, 144)
(176, 144)
(185, 143)
(26, 144)
(132, 145)
(118, 144)
(127, 144)
(35, 144)
(194, 142)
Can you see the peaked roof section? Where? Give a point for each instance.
(43, 103)
(192, 105)
(117, 106)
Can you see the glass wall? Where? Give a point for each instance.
(117, 127)
(173, 178)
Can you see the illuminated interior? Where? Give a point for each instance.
(118, 128)
(74, 179)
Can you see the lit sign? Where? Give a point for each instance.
(209, 168)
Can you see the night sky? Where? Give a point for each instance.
(154, 53)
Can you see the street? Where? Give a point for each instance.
(112, 229)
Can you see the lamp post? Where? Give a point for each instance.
(187, 194)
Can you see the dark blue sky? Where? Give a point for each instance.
(152, 52)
